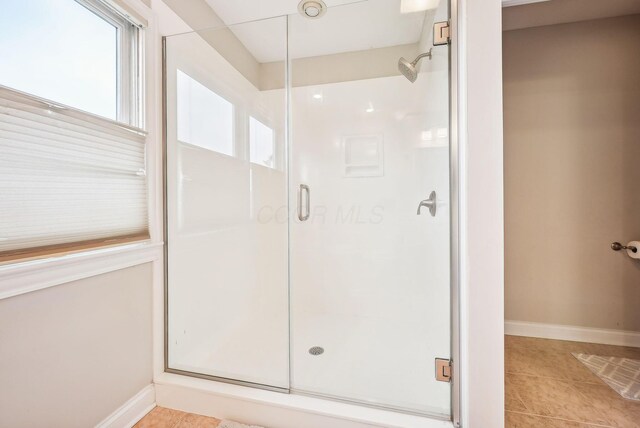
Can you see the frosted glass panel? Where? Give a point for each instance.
(227, 253)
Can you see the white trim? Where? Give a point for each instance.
(158, 316)
(572, 333)
(25, 277)
(132, 411)
(268, 408)
(463, 278)
(481, 214)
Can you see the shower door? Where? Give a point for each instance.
(226, 199)
(297, 156)
(369, 274)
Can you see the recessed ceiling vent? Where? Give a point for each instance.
(312, 9)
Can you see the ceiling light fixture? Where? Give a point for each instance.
(312, 9)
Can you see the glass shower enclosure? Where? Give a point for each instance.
(308, 214)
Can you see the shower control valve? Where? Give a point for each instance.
(429, 203)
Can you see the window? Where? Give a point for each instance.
(205, 119)
(69, 180)
(77, 53)
(261, 143)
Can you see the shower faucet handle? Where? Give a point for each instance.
(429, 203)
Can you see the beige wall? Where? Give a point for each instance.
(72, 354)
(565, 11)
(340, 67)
(572, 172)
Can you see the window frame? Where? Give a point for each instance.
(129, 94)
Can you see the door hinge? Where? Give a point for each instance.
(443, 370)
(441, 33)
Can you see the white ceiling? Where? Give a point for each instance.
(347, 26)
(236, 11)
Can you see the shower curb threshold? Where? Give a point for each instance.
(274, 409)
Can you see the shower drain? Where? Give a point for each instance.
(316, 350)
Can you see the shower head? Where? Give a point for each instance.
(408, 69)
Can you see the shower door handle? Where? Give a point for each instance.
(307, 211)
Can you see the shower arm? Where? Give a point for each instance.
(419, 57)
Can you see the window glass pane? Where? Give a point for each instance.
(261, 143)
(205, 119)
(59, 50)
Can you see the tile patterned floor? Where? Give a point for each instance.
(161, 417)
(546, 387)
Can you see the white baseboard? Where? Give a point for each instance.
(132, 411)
(572, 333)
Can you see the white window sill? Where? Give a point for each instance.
(25, 277)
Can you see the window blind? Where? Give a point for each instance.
(68, 180)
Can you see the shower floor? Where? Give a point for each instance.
(371, 360)
(374, 360)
